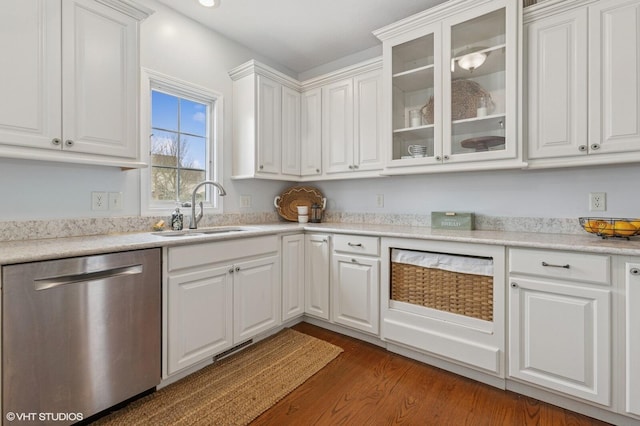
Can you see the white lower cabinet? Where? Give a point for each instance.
(317, 274)
(355, 282)
(200, 316)
(292, 276)
(631, 273)
(256, 297)
(560, 322)
(218, 295)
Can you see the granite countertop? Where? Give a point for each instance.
(45, 249)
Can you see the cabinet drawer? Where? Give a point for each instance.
(189, 256)
(357, 244)
(592, 268)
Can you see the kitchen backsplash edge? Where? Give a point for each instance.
(60, 228)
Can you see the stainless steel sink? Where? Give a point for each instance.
(203, 231)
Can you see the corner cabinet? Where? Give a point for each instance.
(292, 276)
(452, 88)
(62, 101)
(317, 270)
(266, 123)
(583, 82)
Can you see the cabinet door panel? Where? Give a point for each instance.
(292, 276)
(337, 126)
(368, 118)
(290, 131)
(199, 311)
(269, 125)
(256, 297)
(311, 133)
(30, 79)
(100, 79)
(557, 85)
(317, 269)
(614, 67)
(632, 332)
(560, 337)
(355, 292)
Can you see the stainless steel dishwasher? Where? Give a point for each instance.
(79, 335)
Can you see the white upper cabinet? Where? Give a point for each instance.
(71, 92)
(266, 123)
(351, 123)
(311, 133)
(583, 82)
(451, 88)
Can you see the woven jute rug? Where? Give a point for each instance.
(234, 390)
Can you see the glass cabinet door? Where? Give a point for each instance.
(479, 85)
(415, 85)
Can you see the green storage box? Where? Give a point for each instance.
(452, 220)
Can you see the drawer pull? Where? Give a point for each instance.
(555, 266)
(354, 244)
(635, 271)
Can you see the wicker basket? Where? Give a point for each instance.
(465, 95)
(455, 292)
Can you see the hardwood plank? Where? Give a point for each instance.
(367, 385)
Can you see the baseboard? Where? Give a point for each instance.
(374, 340)
(571, 404)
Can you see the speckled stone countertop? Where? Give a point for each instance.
(45, 249)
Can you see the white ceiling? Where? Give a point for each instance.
(301, 34)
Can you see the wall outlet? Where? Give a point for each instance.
(115, 201)
(245, 201)
(597, 201)
(99, 201)
(380, 200)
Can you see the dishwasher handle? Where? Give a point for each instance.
(47, 283)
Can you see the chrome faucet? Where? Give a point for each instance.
(193, 223)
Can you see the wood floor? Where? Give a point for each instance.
(366, 385)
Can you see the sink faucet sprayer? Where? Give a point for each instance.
(193, 223)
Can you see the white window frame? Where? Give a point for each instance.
(153, 80)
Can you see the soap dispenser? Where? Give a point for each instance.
(176, 220)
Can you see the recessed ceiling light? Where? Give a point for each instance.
(210, 3)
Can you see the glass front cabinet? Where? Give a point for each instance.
(452, 88)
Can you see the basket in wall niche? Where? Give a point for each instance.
(465, 97)
(287, 203)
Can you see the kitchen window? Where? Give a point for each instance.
(181, 134)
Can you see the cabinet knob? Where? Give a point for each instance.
(595, 146)
(514, 285)
(261, 167)
(438, 158)
(354, 261)
(68, 142)
(350, 166)
(635, 271)
(231, 271)
(317, 170)
(355, 166)
(446, 157)
(237, 268)
(55, 141)
(582, 148)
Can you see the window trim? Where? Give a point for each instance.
(151, 80)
